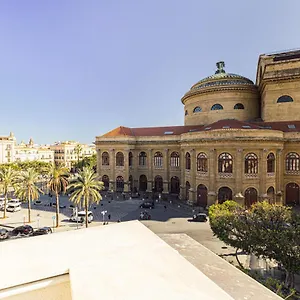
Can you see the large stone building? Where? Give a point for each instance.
(240, 141)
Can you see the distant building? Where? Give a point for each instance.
(32, 152)
(240, 141)
(69, 152)
(7, 148)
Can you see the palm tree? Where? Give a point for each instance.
(78, 150)
(27, 189)
(58, 183)
(8, 178)
(85, 189)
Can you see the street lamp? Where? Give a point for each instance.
(103, 212)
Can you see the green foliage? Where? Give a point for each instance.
(85, 189)
(8, 178)
(38, 166)
(26, 189)
(90, 161)
(265, 230)
(58, 182)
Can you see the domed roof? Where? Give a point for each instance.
(220, 79)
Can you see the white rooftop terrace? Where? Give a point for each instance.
(119, 261)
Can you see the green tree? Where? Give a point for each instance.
(58, 182)
(89, 161)
(85, 189)
(78, 151)
(265, 230)
(26, 189)
(8, 178)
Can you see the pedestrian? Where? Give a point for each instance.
(165, 206)
(109, 216)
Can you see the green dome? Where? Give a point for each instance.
(220, 79)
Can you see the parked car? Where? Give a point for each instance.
(80, 217)
(22, 230)
(3, 234)
(144, 215)
(200, 217)
(13, 207)
(42, 231)
(147, 204)
(38, 203)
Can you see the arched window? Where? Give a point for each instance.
(105, 159)
(130, 159)
(105, 180)
(292, 162)
(119, 184)
(158, 159)
(186, 113)
(251, 163)
(284, 98)
(187, 161)
(271, 163)
(174, 159)
(202, 162)
(239, 106)
(225, 163)
(216, 107)
(142, 159)
(119, 159)
(197, 109)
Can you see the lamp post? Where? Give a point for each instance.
(103, 212)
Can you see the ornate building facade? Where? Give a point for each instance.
(239, 141)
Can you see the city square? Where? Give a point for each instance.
(150, 150)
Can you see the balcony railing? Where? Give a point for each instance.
(292, 172)
(251, 176)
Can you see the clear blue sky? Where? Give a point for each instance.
(74, 69)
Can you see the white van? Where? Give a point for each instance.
(14, 201)
(80, 216)
(13, 207)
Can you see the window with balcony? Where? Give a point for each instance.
(251, 163)
(225, 163)
(202, 162)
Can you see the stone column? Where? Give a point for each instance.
(212, 169)
(182, 176)
(126, 165)
(193, 192)
(239, 172)
(99, 161)
(166, 167)
(262, 172)
(279, 173)
(112, 163)
(211, 198)
(150, 178)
